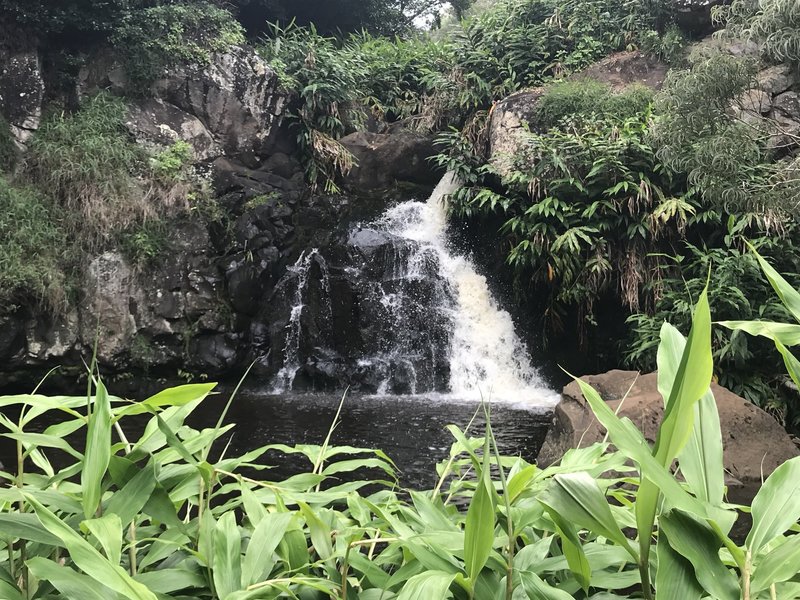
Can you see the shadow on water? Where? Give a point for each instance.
(409, 429)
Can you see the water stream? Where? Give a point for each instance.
(429, 323)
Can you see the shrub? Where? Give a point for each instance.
(586, 98)
(32, 247)
(87, 162)
(159, 36)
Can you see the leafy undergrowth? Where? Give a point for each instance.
(158, 517)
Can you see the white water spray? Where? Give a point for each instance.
(487, 358)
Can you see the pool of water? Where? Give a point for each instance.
(410, 429)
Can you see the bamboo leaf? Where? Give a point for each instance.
(265, 539)
(108, 531)
(88, 559)
(788, 295)
(432, 585)
(98, 451)
(537, 589)
(573, 551)
(701, 460)
(131, 499)
(578, 498)
(479, 527)
(786, 333)
(779, 565)
(227, 556)
(675, 578)
(71, 584)
(700, 545)
(776, 506)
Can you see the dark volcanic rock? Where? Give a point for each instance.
(385, 158)
(754, 443)
(22, 90)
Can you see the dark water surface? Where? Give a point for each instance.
(410, 429)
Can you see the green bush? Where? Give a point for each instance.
(32, 246)
(586, 98)
(163, 35)
(86, 162)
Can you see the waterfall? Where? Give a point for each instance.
(414, 317)
(486, 357)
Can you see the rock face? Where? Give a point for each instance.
(754, 443)
(384, 158)
(21, 93)
(510, 116)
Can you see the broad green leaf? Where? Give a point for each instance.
(675, 579)
(98, 451)
(520, 481)
(776, 506)
(479, 527)
(700, 545)
(88, 559)
(536, 589)
(786, 333)
(265, 539)
(692, 379)
(108, 531)
(432, 585)
(71, 584)
(573, 551)
(227, 556)
(701, 460)
(167, 581)
(788, 295)
(26, 526)
(792, 364)
(780, 564)
(578, 498)
(175, 396)
(319, 531)
(128, 502)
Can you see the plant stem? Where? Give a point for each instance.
(746, 577)
(132, 548)
(644, 574)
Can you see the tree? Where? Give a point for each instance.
(387, 17)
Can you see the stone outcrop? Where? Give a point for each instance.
(754, 443)
(21, 93)
(385, 158)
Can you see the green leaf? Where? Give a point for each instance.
(26, 526)
(573, 551)
(432, 585)
(108, 531)
(537, 589)
(266, 537)
(675, 578)
(780, 564)
(98, 451)
(776, 506)
(479, 527)
(227, 556)
(69, 583)
(88, 559)
(701, 461)
(786, 333)
(700, 545)
(176, 396)
(788, 295)
(692, 380)
(578, 498)
(128, 502)
(319, 531)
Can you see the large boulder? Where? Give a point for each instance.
(512, 116)
(22, 91)
(754, 443)
(385, 158)
(235, 96)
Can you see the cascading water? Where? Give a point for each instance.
(419, 318)
(486, 357)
